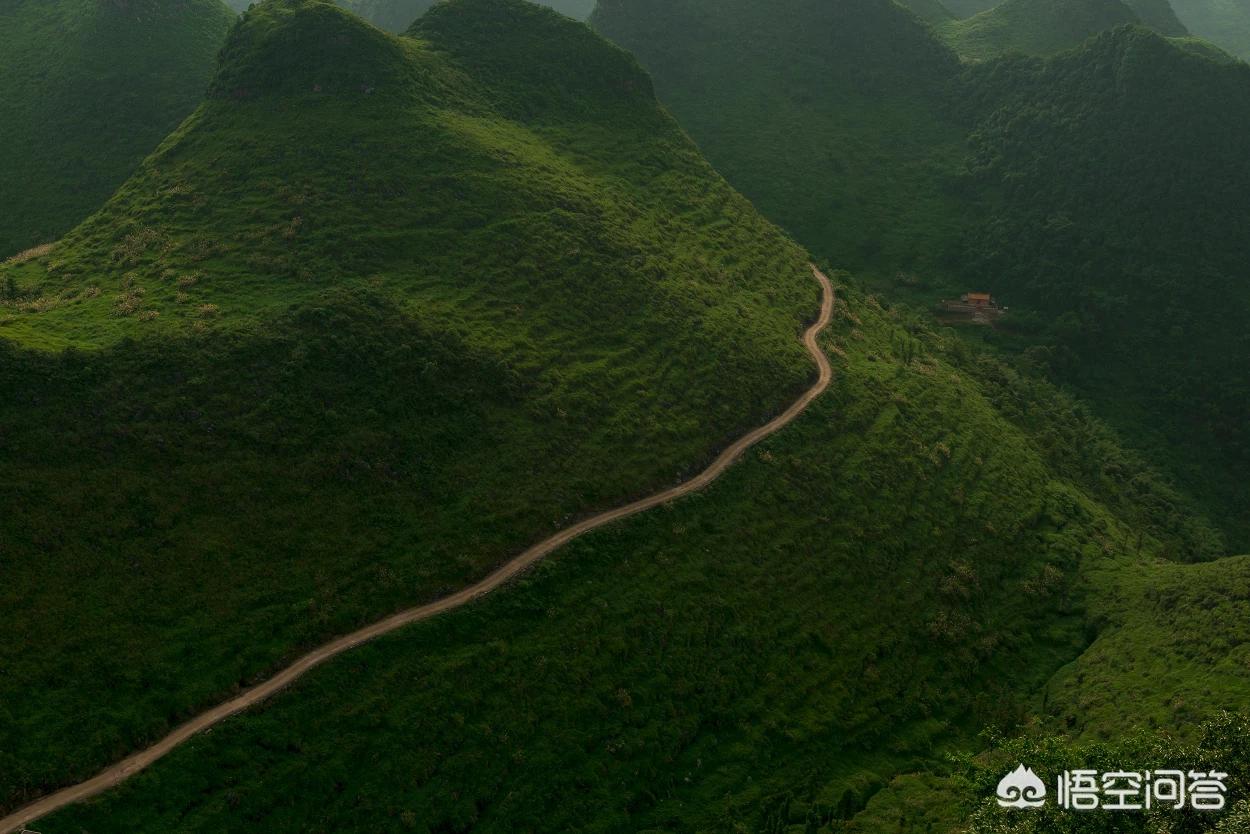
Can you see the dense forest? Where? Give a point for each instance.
(1098, 192)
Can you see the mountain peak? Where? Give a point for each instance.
(306, 46)
(536, 60)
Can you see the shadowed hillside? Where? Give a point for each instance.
(1113, 182)
(830, 116)
(1099, 193)
(87, 89)
(381, 313)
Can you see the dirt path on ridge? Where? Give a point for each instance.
(123, 770)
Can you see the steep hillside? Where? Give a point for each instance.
(1099, 193)
(1113, 181)
(382, 312)
(869, 589)
(828, 115)
(1035, 27)
(87, 89)
(1223, 22)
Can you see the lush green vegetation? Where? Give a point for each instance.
(865, 591)
(1034, 27)
(386, 309)
(1099, 193)
(1114, 179)
(1220, 744)
(87, 89)
(379, 314)
(1157, 14)
(1046, 27)
(831, 117)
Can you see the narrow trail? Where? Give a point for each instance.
(120, 772)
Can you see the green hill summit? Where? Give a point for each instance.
(382, 311)
(1035, 27)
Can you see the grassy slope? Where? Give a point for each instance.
(1174, 645)
(827, 115)
(87, 89)
(1034, 27)
(869, 587)
(415, 311)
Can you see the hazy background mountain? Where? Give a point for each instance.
(398, 15)
(1223, 22)
(87, 89)
(1038, 27)
(1157, 14)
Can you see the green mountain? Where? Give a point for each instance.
(1045, 27)
(908, 563)
(385, 310)
(1223, 22)
(381, 312)
(87, 89)
(1110, 182)
(826, 114)
(1157, 14)
(398, 15)
(1099, 193)
(1034, 27)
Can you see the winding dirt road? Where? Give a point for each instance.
(128, 767)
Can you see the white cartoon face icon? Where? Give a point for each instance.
(1021, 789)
